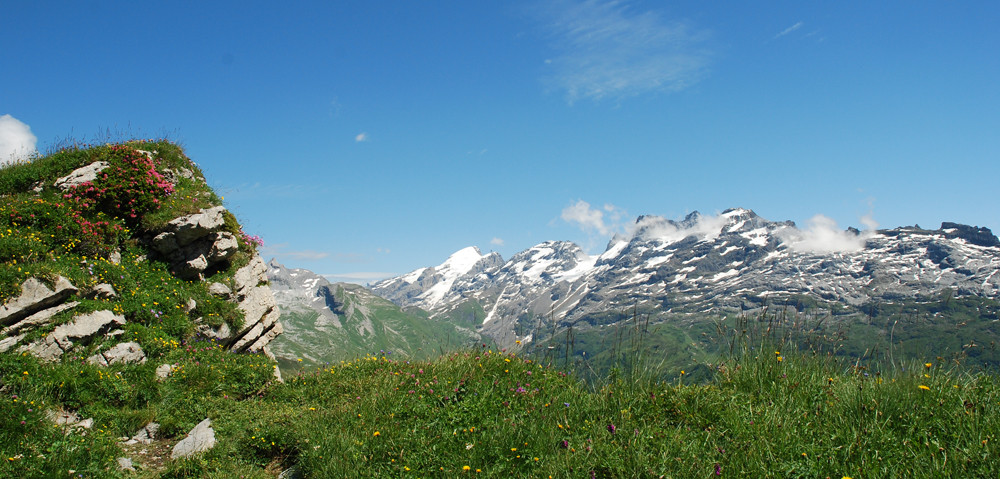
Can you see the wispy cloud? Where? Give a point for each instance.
(497, 241)
(358, 277)
(354, 258)
(609, 49)
(16, 140)
(824, 237)
(361, 137)
(278, 251)
(788, 30)
(821, 236)
(604, 220)
(704, 226)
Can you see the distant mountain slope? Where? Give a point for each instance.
(328, 322)
(732, 262)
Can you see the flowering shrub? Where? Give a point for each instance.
(129, 188)
(43, 225)
(254, 240)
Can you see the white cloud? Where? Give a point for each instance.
(497, 241)
(608, 49)
(705, 227)
(788, 30)
(16, 140)
(824, 237)
(869, 222)
(361, 137)
(358, 277)
(587, 218)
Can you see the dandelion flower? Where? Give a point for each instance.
(376, 434)
(466, 468)
(925, 388)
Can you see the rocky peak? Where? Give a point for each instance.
(981, 236)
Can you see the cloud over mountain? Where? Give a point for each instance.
(16, 140)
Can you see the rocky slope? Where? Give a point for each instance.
(130, 298)
(727, 263)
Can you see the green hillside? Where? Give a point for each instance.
(367, 324)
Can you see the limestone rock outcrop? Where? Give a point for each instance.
(200, 439)
(81, 330)
(196, 243)
(35, 296)
(255, 299)
(34, 308)
(81, 175)
(129, 352)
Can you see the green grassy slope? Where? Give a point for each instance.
(46, 232)
(367, 324)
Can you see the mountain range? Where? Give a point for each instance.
(679, 276)
(728, 263)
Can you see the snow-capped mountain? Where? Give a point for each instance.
(428, 288)
(729, 262)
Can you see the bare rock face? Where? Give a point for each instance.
(164, 371)
(221, 333)
(200, 439)
(81, 175)
(37, 320)
(220, 290)
(195, 243)
(35, 296)
(145, 435)
(69, 420)
(129, 352)
(103, 291)
(82, 329)
(255, 299)
(32, 309)
(191, 227)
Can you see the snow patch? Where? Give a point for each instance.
(658, 260)
(613, 251)
(412, 276)
(725, 274)
(583, 266)
(453, 268)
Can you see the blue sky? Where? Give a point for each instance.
(363, 139)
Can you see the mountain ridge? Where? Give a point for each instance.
(729, 262)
